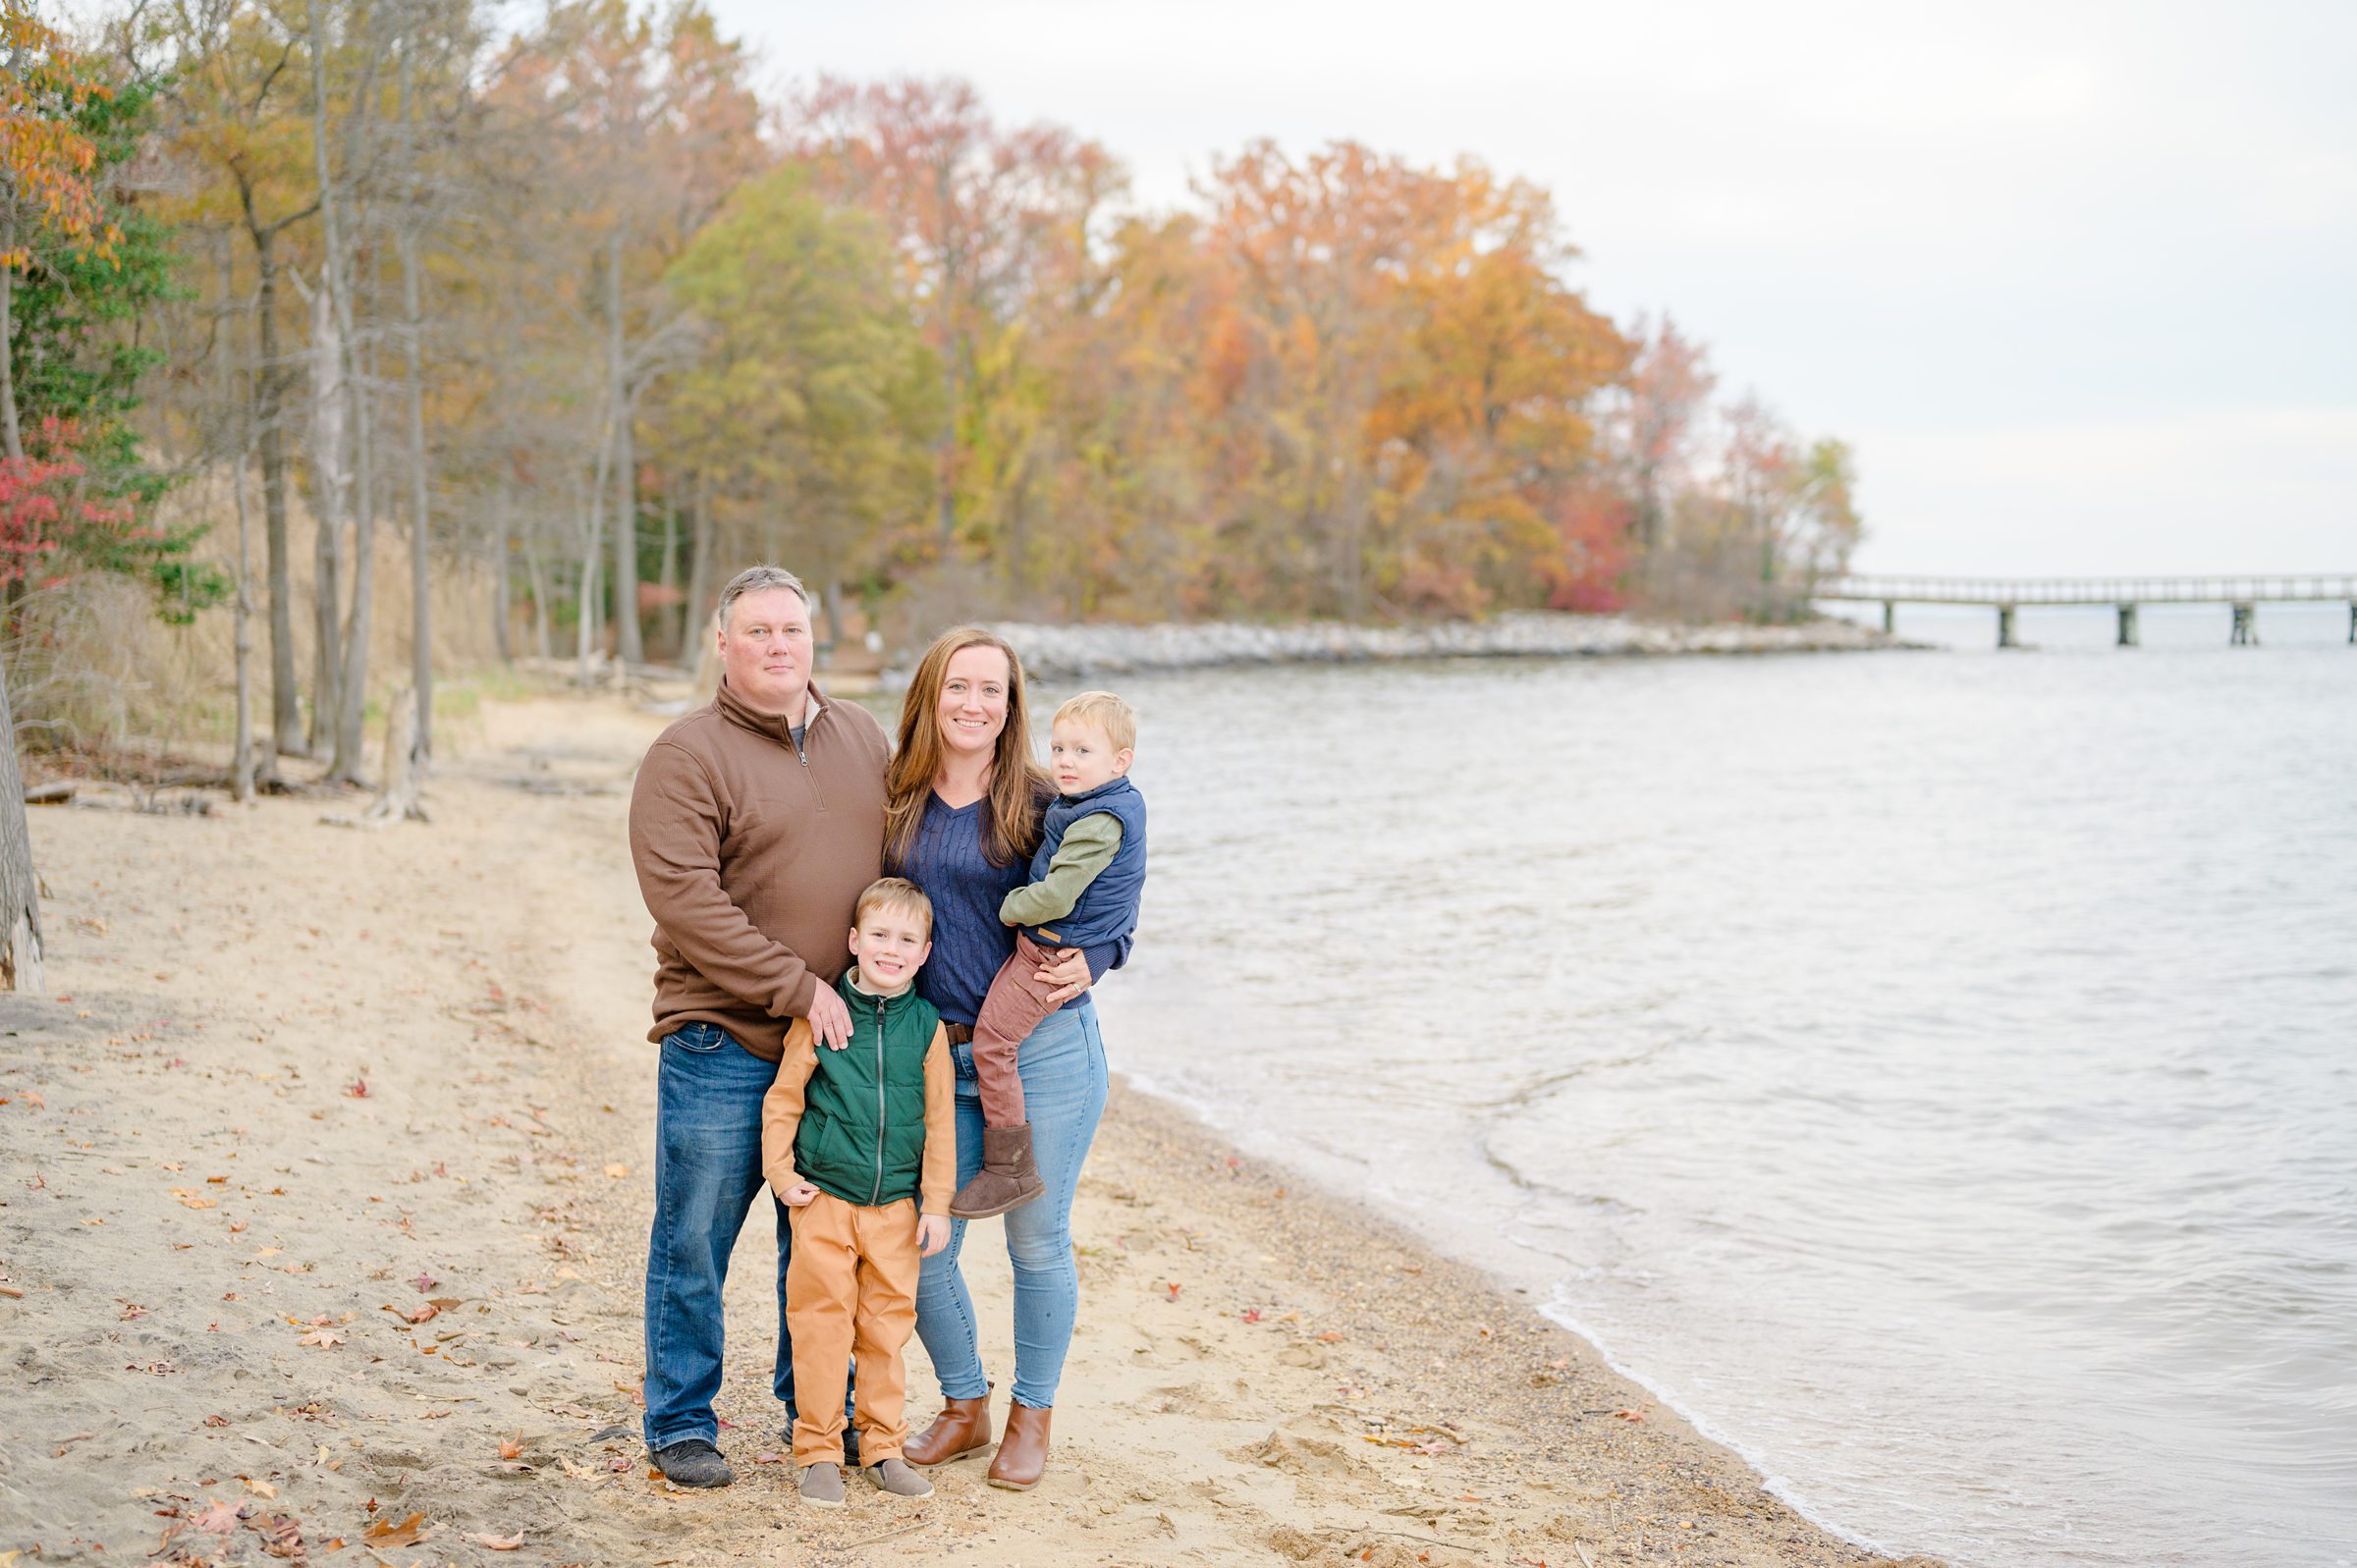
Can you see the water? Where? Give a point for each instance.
(1931, 1072)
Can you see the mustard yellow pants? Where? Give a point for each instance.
(851, 1294)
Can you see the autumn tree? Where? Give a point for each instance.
(49, 206)
(810, 406)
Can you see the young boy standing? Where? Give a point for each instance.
(852, 1141)
(1085, 880)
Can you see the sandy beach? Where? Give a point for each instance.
(327, 1165)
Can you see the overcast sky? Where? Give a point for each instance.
(2078, 280)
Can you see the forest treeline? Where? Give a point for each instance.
(564, 310)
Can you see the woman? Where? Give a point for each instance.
(964, 797)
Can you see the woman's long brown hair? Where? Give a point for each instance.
(1017, 784)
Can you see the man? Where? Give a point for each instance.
(756, 823)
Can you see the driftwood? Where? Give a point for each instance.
(50, 794)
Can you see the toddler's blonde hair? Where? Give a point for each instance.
(1107, 712)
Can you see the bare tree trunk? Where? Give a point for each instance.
(628, 647)
(695, 614)
(671, 542)
(10, 441)
(20, 888)
(421, 618)
(501, 611)
(286, 698)
(233, 411)
(354, 685)
(586, 643)
(535, 570)
(328, 406)
(398, 799)
(421, 603)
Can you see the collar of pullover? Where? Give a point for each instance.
(771, 725)
(860, 996)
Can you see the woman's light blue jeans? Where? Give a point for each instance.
(1062, 1067)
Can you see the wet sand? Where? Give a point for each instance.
(324, 1184)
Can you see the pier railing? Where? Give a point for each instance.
(2005, 594)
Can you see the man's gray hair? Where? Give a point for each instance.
(759, 579)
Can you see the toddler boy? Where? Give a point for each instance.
(850, 1141)
(1085, 879)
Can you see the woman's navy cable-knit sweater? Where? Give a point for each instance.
(969, 940)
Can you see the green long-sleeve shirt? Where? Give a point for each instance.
(1087, 849)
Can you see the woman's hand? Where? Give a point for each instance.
(1068, 974)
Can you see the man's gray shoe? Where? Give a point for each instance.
(822, 1485)
(692, 1461)
(894, 1476)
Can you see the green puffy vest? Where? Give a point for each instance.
(862, 1137)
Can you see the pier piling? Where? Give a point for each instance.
(2128, 625)
(2004, 627)
(2246, 627)
(1890, 618)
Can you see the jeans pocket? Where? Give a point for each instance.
(961, 1059)
(700, 1037)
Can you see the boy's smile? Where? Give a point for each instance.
(1081, 757)
(889, 945)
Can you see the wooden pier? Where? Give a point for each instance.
(2004, 595)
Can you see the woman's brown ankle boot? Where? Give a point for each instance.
(962, 1428)
(1023, 1451)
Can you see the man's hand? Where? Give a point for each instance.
(831, 1020)
(932, 1234)
(798, 1195)
(1068, 974)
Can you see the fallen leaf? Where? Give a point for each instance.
(499, 1543)
(268, 1252)
(220, 1517)
(512, 1447)
(769, 1459)
(189, 1199)
(1250, 1315)
(1171, 1285)
(1329, 1336)
(618, 1171)
(261, 1488)
(386, 1533)
(412, 1314)
(424, 1283)
(282, 1535)
(324, 1338)
(358, 1089)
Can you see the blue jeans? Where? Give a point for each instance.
(1062, 1067)
(708, 1094)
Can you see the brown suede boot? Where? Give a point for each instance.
(1023, 1451)
(1007, 1179)
(962, 1428)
